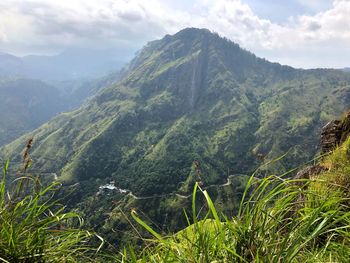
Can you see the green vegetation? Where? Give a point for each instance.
(336, 179)
(34, 227)
(281, 220)
(278, 220)
(27, 103)
(193, 96)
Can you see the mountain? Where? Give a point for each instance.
(75, 92)
(10, 65)
(192, 96)
(190, 107)
(25, 105)
(71, 64)
(33, 89)
(28, 103)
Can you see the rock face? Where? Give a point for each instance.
(334, 133)
(309, 171)
(345, 132)
(330, 136)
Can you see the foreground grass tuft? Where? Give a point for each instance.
(34, 227)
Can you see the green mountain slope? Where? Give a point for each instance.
(189, 107)
(282, 220)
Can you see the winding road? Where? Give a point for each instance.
(131, 194)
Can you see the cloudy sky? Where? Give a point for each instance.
(301, 33)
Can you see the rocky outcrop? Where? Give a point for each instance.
(330, 136)
(334, 133)
(345, 132)
(309, 171)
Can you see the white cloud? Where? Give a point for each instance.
(49, 24)
(321, 40)
(81, 22)
(236, 20)
(3, 37)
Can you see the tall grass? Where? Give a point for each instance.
(34, 227)
(278, 221)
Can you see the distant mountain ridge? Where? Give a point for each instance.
(33, 89)
(68, 65)
(26, 104)
(10, 65)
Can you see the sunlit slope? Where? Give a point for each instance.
(190, 96)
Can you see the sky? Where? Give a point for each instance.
(300, 33)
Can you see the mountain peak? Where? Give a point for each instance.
(197, 34)
(193, 31)
(202, 52)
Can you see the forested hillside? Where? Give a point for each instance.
(190, 107)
